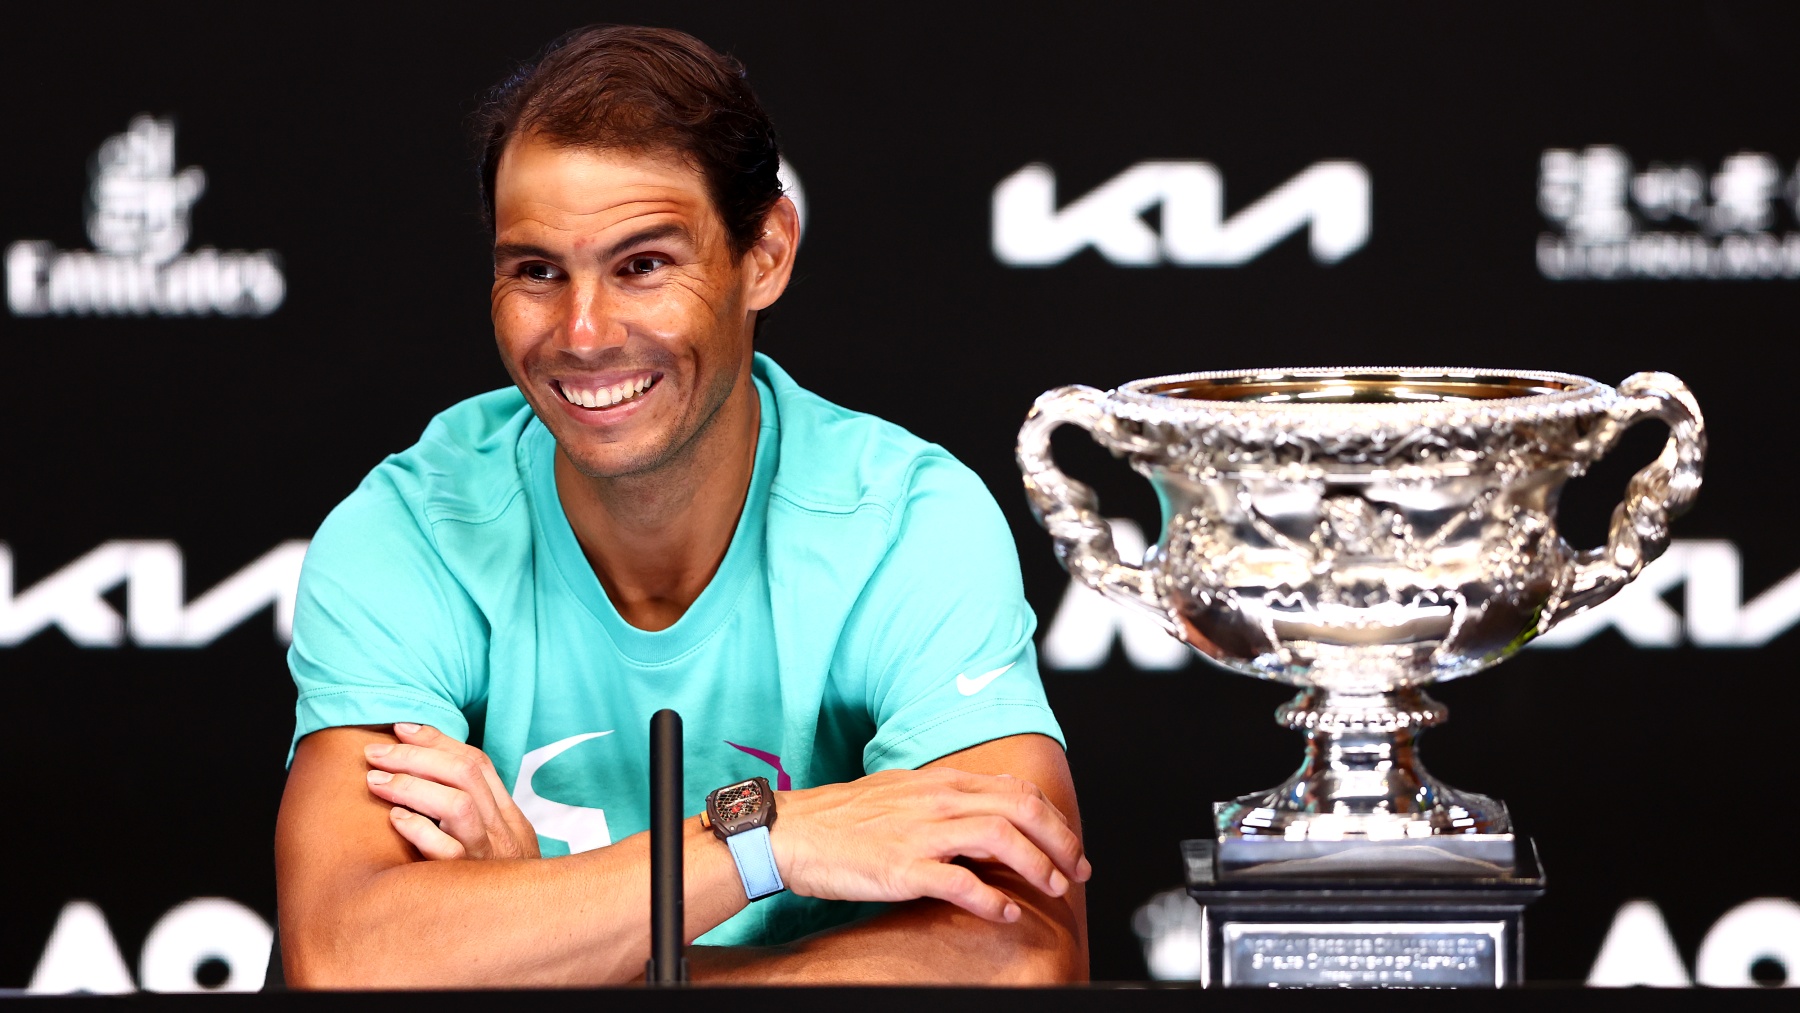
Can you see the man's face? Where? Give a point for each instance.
(618, 305)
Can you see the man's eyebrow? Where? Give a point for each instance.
(670, 230)
(519, 251)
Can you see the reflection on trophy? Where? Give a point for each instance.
(1359, 533)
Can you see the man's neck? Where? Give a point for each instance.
(655, 540)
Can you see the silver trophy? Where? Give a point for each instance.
(1360, 533)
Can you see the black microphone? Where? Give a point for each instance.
(667, 964)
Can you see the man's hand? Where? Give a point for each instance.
(347, 881)
(430, 774)
(896, 835)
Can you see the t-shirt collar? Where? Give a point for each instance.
(743, 558)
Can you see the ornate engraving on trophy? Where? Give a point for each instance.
(1359, 534)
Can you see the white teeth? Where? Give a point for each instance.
(604, 396)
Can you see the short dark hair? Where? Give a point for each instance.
(637, 88)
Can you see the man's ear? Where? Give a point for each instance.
(770, 261)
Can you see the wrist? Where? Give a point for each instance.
(788, 837)
(779, 839)
(742, 816)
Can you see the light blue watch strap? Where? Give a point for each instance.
(755, 858)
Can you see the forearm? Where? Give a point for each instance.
(923, 943)
(359, 909)
(583, 919)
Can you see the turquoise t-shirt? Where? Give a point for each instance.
(868, 615)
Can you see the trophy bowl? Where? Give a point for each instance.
(1360, 533)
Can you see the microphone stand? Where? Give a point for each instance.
(667, 965)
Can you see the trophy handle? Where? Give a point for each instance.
(1663, 490)
(1070, 511)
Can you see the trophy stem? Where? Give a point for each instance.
(1362, 784)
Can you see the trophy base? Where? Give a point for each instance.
(1463, 856)
(1362, 803)
(1392, 926)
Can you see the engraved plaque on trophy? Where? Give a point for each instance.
(1359, 534)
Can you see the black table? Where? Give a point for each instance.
(1100, 998)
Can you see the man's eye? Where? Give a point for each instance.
(538, 272)
(643, 265)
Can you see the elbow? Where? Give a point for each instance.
(305, 968)
(316, 970)
(1051, 949)
(1060, 966)
(328, 953)
(1066, 967)
(312, 965)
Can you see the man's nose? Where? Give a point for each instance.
(593, 322)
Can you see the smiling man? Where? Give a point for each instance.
(655, 516)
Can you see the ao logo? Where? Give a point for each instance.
(82, 955)
(1710, 573)
(1330, 198)
(157, 613)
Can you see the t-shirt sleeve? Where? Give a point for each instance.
(381, 627)
(942, 629)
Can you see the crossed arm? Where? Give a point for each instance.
(982, 846)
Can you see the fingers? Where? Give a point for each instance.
(467, 769)
(425, 735)
(957, 885)
(993, 838)
(1025, 807)
(458, 770)
(431, 738)
(425, 835)
(1020, 785)
(453, 808)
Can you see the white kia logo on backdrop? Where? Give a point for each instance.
(157, 610)
(1330, 199)
(138, 218)
(1670, 220)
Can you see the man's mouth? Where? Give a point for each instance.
(583, 394)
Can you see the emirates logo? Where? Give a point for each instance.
(138, 211)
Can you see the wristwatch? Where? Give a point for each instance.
(740, 815)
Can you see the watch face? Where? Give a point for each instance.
(739, 802)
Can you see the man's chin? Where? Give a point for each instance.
(611, 461)
(617, 454)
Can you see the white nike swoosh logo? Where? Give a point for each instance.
(969, 687)
(580, 827)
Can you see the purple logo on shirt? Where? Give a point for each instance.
(782, 781)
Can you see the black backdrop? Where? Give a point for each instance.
(140, 776)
